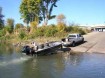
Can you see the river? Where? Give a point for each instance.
(13, 64)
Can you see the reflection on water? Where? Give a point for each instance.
(13, 64)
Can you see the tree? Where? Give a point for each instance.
(46, 9)
(61, 18)
(1, 19)
(18, 26)
(29, 10)
(10, 24)
(61, 22)
(33, 25)
(37, 10)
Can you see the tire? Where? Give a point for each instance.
(73, 44)
(82, 40)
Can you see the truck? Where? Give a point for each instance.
(72, 39)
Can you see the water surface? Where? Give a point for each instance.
(13, 64)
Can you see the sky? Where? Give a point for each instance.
(83, 12)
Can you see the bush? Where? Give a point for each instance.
(2, 32)
(87, 30)
(61, 34)
(61, 27)
(81, 31)
(69, 28)
(22, 35)
(39, 32)
(50, 32)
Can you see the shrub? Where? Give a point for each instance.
(61, 27)
(69, 28)
(18, 26)
(81, 31)
(22, 35)
(8, 29)
(50, 32)
(39, 31)
(33, 26)
(2, 32)
(87, 30)
(61, 34)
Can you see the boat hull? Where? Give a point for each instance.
(47, 49)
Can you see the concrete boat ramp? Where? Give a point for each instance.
(94, 42)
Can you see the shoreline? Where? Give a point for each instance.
(38, 40)
(84, 47)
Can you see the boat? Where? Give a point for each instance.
(42, 48)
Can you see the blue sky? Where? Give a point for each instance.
(77, 11)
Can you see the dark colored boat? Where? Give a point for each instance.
(43, 48)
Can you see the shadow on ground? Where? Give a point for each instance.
(79, 44)
(66, 49)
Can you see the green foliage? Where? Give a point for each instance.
(81, 31)
(33, 26)
(51, 31)
(8, 29)
(10, 24)
(22, 35)
(29, 10)
(87, 31)
(18, 26)
(1, 24)
(75, 29)
(61, 27)
(69, 28)
(59, 31)
(37, 10)
(40, 32)
(61, 23)
(61, 34)
(2, 32)
(1, 19)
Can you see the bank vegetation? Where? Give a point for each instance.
(52, 32)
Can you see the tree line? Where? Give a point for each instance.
(34, 12)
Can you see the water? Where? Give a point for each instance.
(13, 64)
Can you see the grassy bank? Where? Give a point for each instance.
(40, 34)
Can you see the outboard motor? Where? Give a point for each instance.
(32, 51)
(26, 49)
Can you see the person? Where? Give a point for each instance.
(47, 43)
(35, 46)
(33, 43)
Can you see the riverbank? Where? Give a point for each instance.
(39, 40)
